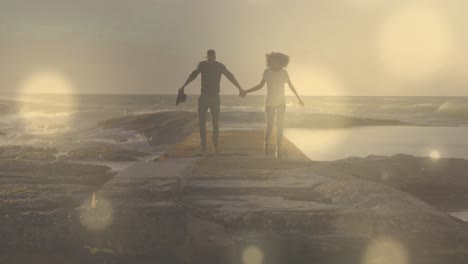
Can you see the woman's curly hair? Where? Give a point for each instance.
(281, 59)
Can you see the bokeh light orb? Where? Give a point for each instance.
(385, 176)
(46, 82)
(385, 251)
(96, 215)
(252, 255)
(46, 94)
(435, 155)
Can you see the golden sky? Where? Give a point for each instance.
(337, 47)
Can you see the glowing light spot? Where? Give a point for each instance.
(46, 82)
(252, 255)
(93, 201)
(435, 155)
(97, 215)
(415, 42)
(385, 251)
(56, 108)
(316, 81)
(385, 176)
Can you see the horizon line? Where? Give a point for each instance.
(255, 95)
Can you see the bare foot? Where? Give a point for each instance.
(279, 152)
(203, 153)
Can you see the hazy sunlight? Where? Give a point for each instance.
(316, 81)
(434, 155)
(42, 83)
(415, 41)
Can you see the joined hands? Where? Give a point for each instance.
(243, 93)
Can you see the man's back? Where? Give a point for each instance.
(211, 77)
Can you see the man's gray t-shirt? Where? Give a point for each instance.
(210, 76)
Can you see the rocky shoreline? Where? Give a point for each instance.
(440, 182)
(188, 209)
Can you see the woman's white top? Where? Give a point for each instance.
(275, 86)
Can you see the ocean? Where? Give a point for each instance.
(387, 125)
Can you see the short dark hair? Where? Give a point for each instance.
(211, 52)
(280, 58)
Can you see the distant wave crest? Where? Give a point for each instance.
(454, 108)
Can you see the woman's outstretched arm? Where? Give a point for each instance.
(293, 89)
(255, 88)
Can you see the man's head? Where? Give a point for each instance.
(211, 55)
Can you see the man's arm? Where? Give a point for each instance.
(231, 78)
(191, 77)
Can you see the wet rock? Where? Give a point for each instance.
(405, 170)
(27, 153)
(55, 126)
(159, 128)
(441, 182)
(52, 126)
(42, 186)
(105, 153)
(293, 208)
(60, 172)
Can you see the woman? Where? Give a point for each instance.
(275, 76)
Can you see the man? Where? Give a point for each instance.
(211, 72)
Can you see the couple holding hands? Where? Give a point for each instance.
(275, 76)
